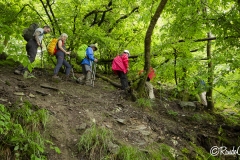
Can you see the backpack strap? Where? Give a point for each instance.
(57, 44)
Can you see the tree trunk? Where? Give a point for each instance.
(210, 105)
(147, 45)
(175, 65)
(6, 40)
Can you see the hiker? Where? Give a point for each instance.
(149, 85)
(87, 65)
(200, 85)
(60, 55)
(120, 67)
(31, 48)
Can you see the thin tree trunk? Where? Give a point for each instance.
(175, 63)
(147, 45)
(210, 105)
(6, 40)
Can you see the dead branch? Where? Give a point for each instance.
(108, 80)
(49, 87)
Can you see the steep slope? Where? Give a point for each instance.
(73, 108)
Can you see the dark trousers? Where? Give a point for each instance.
(31, 48)
(123, 79)
(61, 61)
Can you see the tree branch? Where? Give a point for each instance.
(123, 17)
(104, 13)
(49, 17)
(103, 16)
(109, 80)
(71, 46)
(94, 20)
(27, 5)
(54, 18)
(95, 12)
(207, 39)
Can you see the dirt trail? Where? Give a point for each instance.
(73, 108)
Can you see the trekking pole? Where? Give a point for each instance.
(73, 74)
(43, 65)
(93, 77)
(72, 66)
(41, 57)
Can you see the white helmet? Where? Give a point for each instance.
(126, 51)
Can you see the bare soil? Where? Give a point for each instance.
(73, 108)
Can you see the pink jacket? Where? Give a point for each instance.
(120, 63)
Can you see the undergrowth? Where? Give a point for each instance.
(145, 103)
(97, 143)
(20, 133)
(94, 142)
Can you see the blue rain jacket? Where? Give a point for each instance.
(89, 57)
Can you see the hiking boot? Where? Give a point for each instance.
(55, 78)
(81, 80)
(18, 72)
(28, 75)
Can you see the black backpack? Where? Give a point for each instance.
(28, 32)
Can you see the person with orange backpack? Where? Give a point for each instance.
(120, 67)
(61, 52)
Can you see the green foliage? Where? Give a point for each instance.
(197, 117)
(30, 118)
(154, 152)
(204, 117)
(185, 151)
(172, 113)
(229, 115)
(129, 153)
(201, 153)
(161, 151)
(23, 59)
(232, 120)
(119, 25)
(19, 129)
(144, 103)
(94, 142)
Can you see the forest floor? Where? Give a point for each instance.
(74, 108)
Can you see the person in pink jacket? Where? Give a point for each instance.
(120, 67)
(149, 85)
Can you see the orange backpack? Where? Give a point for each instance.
(52, 47)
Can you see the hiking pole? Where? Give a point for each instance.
(70, 61)
(73, 74)
(92, 74)
(43, 66)
(93, 77)
(41, 56)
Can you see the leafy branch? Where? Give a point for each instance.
(123, 17)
